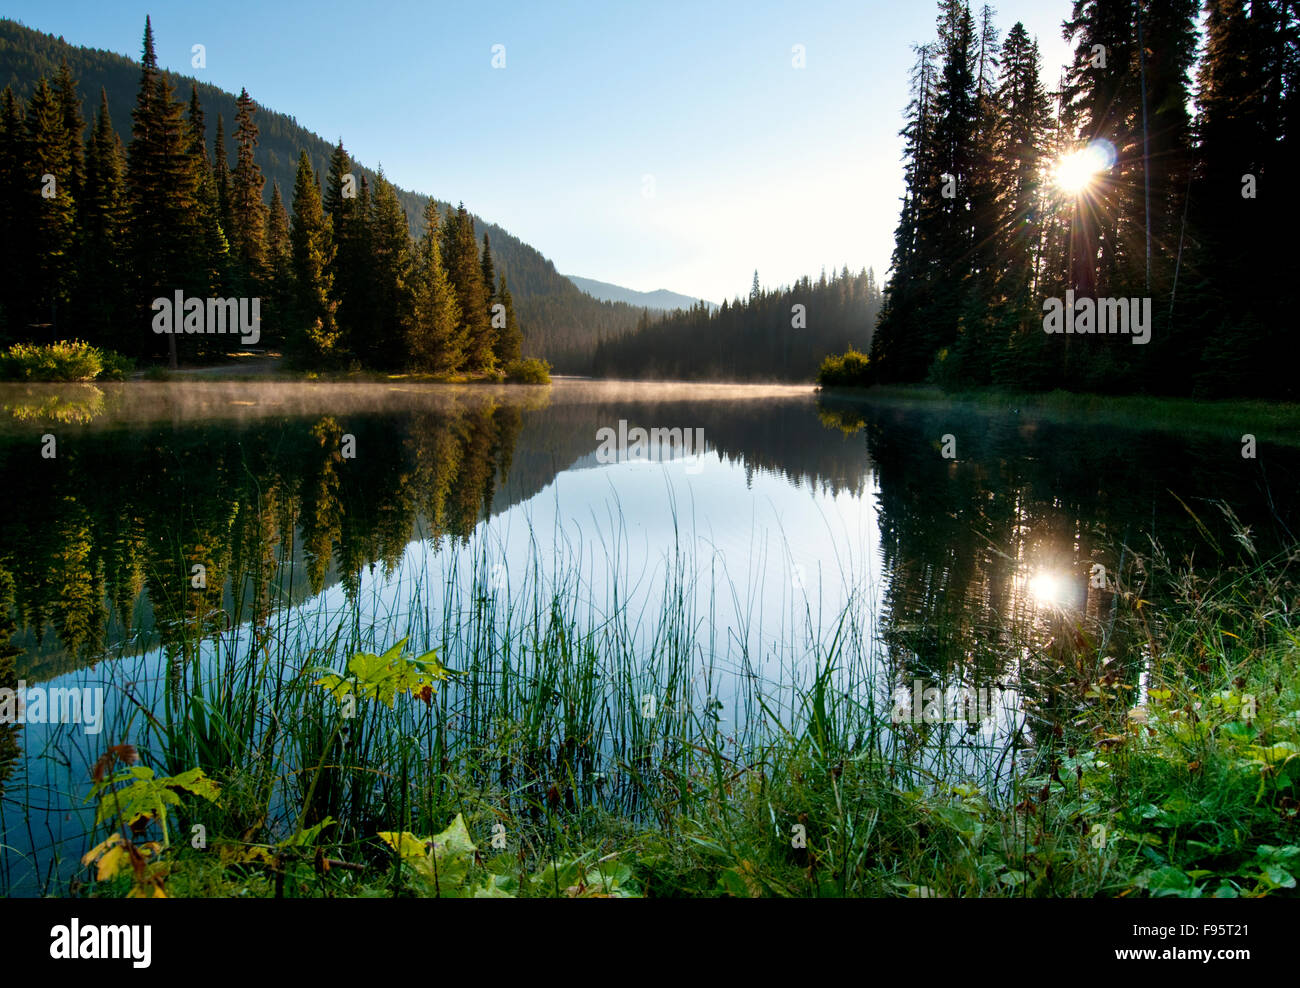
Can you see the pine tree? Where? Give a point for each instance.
(165, 235)
(899, 350)
(350, 269)
(1020, 144)
(102, 270)
(340, 169)
(315, 336)
(214, 249)
(51, 235)
(247, 210)
(1226, 293)
(460, 255)
(972, 354)
(279, 270)
(15, 207)
(435, 343)
(489, 271)
(390, 246)
(357, 297)
(510, 338)
(945, 215)
(221, 177)
(1101, 103)
(74, 125)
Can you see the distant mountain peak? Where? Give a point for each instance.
(661, 299)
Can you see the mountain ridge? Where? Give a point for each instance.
(661, 298)
(560, 321)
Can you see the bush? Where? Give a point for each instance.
(67, 360)
(847, 370)
(529, 371)
(116, 366)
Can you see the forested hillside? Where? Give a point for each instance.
(772, 335)
(559, 321)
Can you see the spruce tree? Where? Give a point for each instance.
(247, 210)
(899, 350)
(279, 271)
(74, 125)
(14, 208)
(489, 271)
(460, 255)
(435, 344)
(102, 270)
(166, 243)
(1019, 147)
(384, 340)
(51, 235)
(214, 250)
(315, 335)
(510, 338)
(221, 177)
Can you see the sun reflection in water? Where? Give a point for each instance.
(1047, 589)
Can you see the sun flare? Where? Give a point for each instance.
(1078, 170)
(1046, 588)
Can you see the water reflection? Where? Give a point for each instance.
(172, 512)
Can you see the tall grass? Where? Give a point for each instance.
(594, 710)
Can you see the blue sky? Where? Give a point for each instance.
(657, 145)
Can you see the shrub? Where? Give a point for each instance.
(66, 360)
(847, 370)
(116, 366)
(529, 371)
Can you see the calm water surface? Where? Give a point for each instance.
(382, 509)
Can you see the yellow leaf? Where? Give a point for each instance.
(95, 853)
(114, 861)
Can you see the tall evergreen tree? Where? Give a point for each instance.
(460, 255)
(51, 235)
(14, 208)
(279, 269)
(163, 198)
(316, 335)
(74, 125)
(384, 341)
(247, 210)
(215, 249)
(103, 305)
(489, 270)
(1019, 146)
(945, 216)
(510, 338)
(435, 342)
(221, 177)
(900, 349)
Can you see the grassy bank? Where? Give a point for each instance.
(517, 735)
(1271, 421)
(273, 367)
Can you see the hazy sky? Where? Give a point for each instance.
(658, 145)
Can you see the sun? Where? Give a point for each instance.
(1046, 588)
(1076, 172)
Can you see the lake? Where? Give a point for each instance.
(601, 562)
